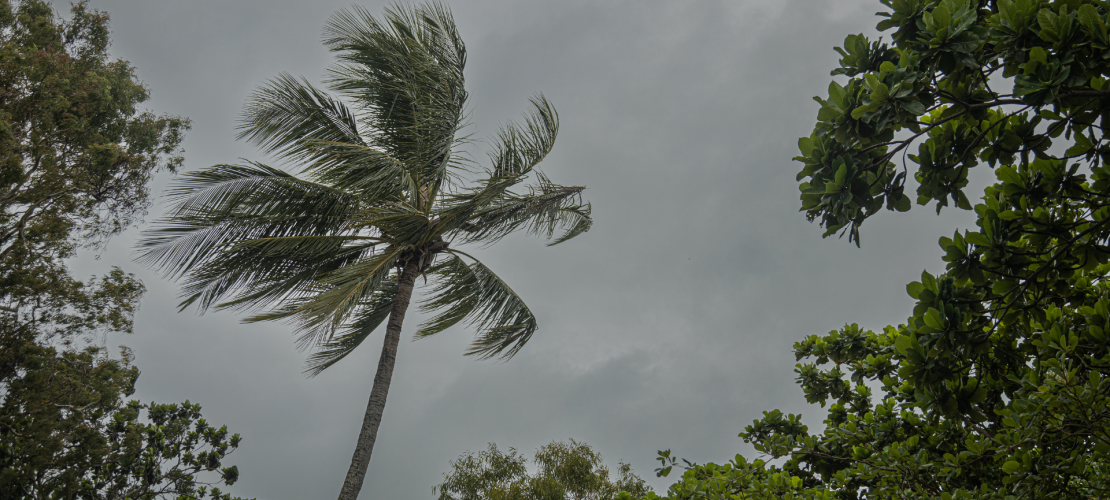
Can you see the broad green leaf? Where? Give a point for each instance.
(1038, 54)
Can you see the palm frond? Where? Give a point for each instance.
(321, 311)
(474, 293)
(541, 212)
(289, 117)
(226, 204)
(264, 270)
(371, 314)
(406, 73)
(400, 223)
(364, 170)
(576, 220)
(520, 148)
(249, 277)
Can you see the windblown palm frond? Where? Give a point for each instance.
(372, 313)
(288, 117)
(490, 211)
(541, 212)
(220, 211)
(338, 293)
(406, 72)
(248, 275)
(321, 306)
(370, 173)
(474, 293)
(520, 149)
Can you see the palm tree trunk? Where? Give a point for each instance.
(365, 446)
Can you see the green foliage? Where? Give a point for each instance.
(995, 387)
(76, 155)
(940, 85)
(66, 431)
(381, 190)
(564, 471)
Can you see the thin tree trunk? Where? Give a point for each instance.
(365, 446)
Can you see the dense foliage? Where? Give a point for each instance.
(997, 386)
(76, 157)
(68, 432)
(385, 195)
(563, 471)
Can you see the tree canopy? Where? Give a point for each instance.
(563, 471)
(996, 386)
(76, 158)
(67, 430)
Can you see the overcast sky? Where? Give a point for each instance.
(668, 325)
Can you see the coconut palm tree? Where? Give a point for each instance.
(381, 198)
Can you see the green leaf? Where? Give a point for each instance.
(841, 175)
(934, 319)
(886, 68)
(1089, 18)
(903, 344)
(914, 289)
(941, 16)
(805, 145)
(1038, 54)
(837, 93)
(872, 81)
(1003, 286)
(914, 107)
(977, 238)
(963, 202)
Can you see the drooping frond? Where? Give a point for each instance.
(317, 313)
(577, 222)
(406, 73)
(289, 117)
(371, 314)
(227, 204)
(474, 293)
(254, 273)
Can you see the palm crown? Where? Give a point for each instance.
(381, 200)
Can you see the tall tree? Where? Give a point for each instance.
(564, 471)
(381, 201)
(998, 384)
(76, 157)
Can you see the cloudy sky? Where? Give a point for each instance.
(669, 325)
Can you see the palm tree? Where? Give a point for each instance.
(382, 198)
